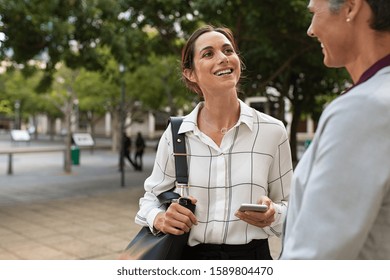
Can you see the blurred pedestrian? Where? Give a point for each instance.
(139, 151)
(340, 200)
(127, 150)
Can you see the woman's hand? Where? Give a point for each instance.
(259, 219)
(176, 220)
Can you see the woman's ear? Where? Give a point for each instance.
(188, 73)
(353, 8)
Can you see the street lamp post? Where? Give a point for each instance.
(122, 126)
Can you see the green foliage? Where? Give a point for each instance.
(276, 50)
(169, 18)
(69, 31)
(92, 37)
(93, 91)
(5, 107)
(19, 89)
(158, 85)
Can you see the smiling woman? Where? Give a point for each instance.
(188, 53)
(347, 164)
(235, 155)
(212, 68)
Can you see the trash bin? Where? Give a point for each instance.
(75, 154)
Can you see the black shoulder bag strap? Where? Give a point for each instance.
(179, 151)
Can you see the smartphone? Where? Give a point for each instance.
(253, 207)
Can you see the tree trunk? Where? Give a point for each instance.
(68, 138)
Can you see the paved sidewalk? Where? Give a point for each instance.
(46, 214)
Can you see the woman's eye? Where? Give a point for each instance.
(229, 51)
(207, 54)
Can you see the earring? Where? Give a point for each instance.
(348, 20)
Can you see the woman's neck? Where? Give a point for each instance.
(216, 119)
(372, 51)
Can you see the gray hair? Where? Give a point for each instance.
(380, 20)
(335, 5)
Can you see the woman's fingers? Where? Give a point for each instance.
(177, 220)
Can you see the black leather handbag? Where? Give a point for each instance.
(146, 245)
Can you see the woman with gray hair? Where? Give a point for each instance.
(342, 183)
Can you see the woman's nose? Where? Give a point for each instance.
(310, 32)
(223, 58)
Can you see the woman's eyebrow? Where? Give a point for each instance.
(206, 48)
(210, 47)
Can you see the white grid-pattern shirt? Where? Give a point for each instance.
(253, 159)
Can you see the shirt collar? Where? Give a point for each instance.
(382, 63)
(190, 121)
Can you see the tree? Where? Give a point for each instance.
(69, 31)
(19, 90)
(75, 33)
(94, 95)
(169, 20)
(158, 85)
(98, 35)
(64, 97)
(272, 41)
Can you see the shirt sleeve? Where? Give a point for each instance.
(161, 179)
(279, 183)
